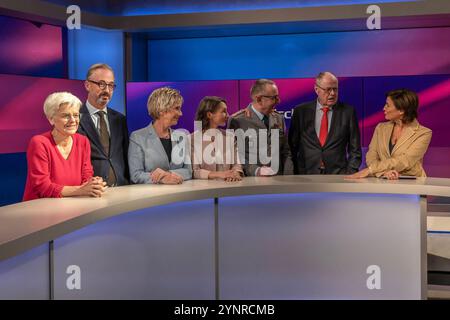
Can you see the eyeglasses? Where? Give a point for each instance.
(102, 84)
(273, 98)
(328, 90)
(68, 116)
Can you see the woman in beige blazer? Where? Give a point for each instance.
(213, 150)
(399, 145)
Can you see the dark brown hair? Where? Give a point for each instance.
(207, 104)
(407, 101)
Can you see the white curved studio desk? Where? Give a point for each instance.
(286, 237)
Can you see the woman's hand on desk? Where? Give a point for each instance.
(227, 175)
(232, 175)
(391, 175)
(165, 177)
(158, 174)
(364, 173)
(172, 178)
(94, 187)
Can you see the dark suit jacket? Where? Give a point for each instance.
(118, 145)
(341, 153)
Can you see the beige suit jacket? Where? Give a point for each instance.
(226, 154)
(407, 154)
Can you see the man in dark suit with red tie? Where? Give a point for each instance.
(105, 128)
(324, 135)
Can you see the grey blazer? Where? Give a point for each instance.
(146, 153)
(276, 121)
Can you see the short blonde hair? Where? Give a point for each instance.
(56, 100)
(161, 100)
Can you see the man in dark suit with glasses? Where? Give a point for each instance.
(106, 128)
(324, 135)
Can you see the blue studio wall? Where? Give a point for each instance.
(92, 45)
(348, 54)
(145, 7)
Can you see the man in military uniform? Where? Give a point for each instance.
(263, 154)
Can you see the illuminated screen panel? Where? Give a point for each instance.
(192, 92)
(31, 48)
(21, 107)
(296, 91)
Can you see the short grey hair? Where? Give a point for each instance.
(161, 100)
(54, 101)
(322, 74)
(98, 66)
(259, 85)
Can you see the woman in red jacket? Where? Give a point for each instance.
(59, 163)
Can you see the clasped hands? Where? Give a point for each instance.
(231, 176)
(165, 177)
(94, 187)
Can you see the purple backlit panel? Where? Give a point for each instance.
(434, 110)
(434, 97)
(192, 92)
(21, 107)
(295, 91)
(28, 48)
(291, 91)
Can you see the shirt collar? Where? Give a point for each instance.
(319, 106)
(93, 110)
(259, 114)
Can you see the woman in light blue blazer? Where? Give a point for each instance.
(158, 154)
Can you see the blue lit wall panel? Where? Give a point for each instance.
(88, 46)
(139, 58)
(358, 53)
(143, 7)
(13, 170)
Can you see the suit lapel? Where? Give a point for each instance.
(386, 138)
(88, 126)
(310, 123)
(156, 142)
(410, 130)
(274, 122)
(255, 119)
(335, 118)
(112, 126)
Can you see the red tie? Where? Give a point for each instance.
(324, 126)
